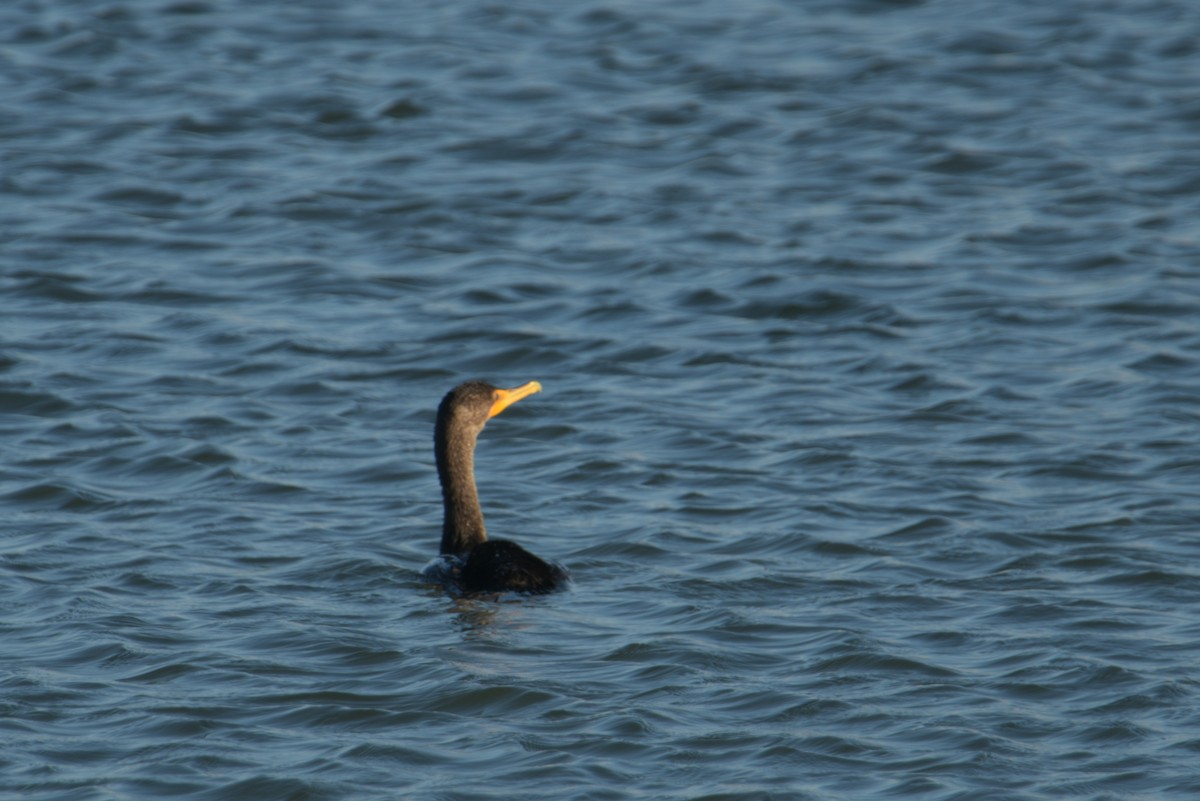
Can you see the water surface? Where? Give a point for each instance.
(871, 360)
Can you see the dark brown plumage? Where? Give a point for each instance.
(480, 565)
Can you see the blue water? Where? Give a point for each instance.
(869, 337)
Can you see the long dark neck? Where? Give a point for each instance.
(462, 520)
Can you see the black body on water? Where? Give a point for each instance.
(475, 563)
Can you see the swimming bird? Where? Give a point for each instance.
(469, 560)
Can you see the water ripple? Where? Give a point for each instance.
(868, 433)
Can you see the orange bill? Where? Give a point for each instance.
(507, 397)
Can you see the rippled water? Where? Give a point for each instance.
(871, 356)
